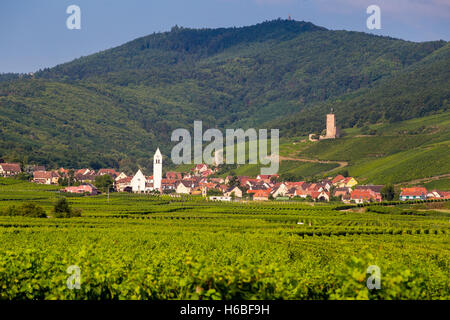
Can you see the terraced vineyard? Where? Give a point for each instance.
(143, 247)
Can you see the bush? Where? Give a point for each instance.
(62, 209)
(26, 210)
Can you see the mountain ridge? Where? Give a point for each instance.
(115, 107)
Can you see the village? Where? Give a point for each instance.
(201, 181)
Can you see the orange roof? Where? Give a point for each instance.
(338, 178)
(415, 191)
(295, 184)
(262, 193)
(364, 194)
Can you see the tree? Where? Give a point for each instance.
(104, 182)
(234, 182)
(62, 209)
(213, 192)
(388, 192)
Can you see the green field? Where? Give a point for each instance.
(143, 247)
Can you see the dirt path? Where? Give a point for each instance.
(447, 175)
(341, 164)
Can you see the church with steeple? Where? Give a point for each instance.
(142, 184)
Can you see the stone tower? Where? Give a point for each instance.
(331, 126)
(157, 170)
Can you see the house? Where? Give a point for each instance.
(111, 172)
(199, 168)
(84, 188)
(45, 177)
(362, 196)
(85, 178)
(415, 193)
(326, 184)
(83, 172)
(341, 192)
(63, 172)
(374, 188)
(436, 194)
(302, 193)
(348, 182)
(206, 173)
(169, 185)
(262, 195)
(256, 185)
(223, 187)
(267, 177)
(187, 187)
(233, 191)
(320, 195)
(196, 191)
(9, 169)
(172, 175)
(217, 180)
(124, 184)
(280, 190)
(298, 184)
(337, 179)
(121, 176)
(291, 193)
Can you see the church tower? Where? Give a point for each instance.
(157, 170)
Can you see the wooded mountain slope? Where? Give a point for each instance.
(115, 107)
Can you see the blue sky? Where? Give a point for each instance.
(33, 33)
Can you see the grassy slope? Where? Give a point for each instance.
(404, 151)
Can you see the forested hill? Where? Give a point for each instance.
(115, 107)
(178, 46)
(419, 90)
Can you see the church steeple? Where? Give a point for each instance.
(157, 170)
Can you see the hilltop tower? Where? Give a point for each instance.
(157, 170)
(331, 126)
(332, 130)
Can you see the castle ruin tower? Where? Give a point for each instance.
(157, 170)
(332, 132)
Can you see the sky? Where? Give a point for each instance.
(34, 35)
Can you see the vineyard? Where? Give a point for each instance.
(144, 247)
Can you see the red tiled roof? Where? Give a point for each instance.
(12, 167)
(173, 175)
(261, 193)
(338, 178)
(364, 194)
(111, 172)
(415, 191)
(44, 175)
(124, 180)
(295, 184)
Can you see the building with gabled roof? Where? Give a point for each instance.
(414, 193)
(10, 169)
